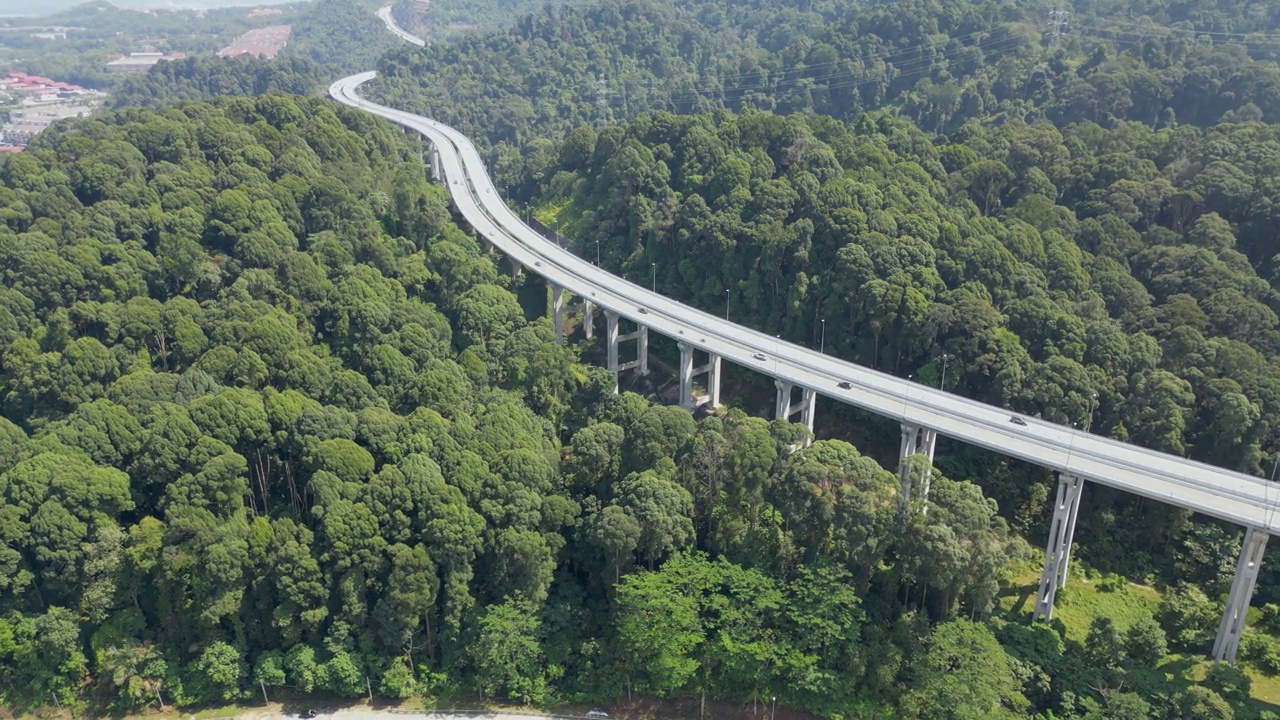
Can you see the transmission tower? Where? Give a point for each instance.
(1058, 22)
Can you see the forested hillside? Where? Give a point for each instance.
(271, 420)
(446, 19)
(342, 36)
(1078, 214)
(272, 424)
(201, 78)
(942, 62)
(1087, 276)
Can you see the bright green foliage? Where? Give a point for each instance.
(1009, 250)
(216, 675)
(1188, 617)
(964, 674)
(398, 681)
(269, 669)
(507, 653)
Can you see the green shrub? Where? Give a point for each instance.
(1189, 618)
(1113, 582)
(1262, 652)
(1229, 682)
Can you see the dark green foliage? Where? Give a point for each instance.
(197, 78)
(270, 419)
(942, 63)
(341, 36)
(253, 440)
(869, 240)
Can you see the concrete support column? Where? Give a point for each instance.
(713, 381)
(688, 372)
(611, 339)
(786, 407)
(643, 352)
(907, 448)
(808, 401)
(1057, 554)
(588, 319)
(433, 162)
(614, 338)
(1233, 617)
(686, 376)
(916, 440)
(782, 411)
(558, 311)
(928, 443)
(516, 267)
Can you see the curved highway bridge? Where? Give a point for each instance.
(384, 14)
(923, 412)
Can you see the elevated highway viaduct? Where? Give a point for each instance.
(801, 374)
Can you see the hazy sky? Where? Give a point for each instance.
(46, 7)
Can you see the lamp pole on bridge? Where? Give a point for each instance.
(597, 253)
(942, 385)
(1093, 405)
(906, 395)
(822, 347)
(655, 276)
(726, 304)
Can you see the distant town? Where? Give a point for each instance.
(264, 42)
(33, 103)
(36, 102)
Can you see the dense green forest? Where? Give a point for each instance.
(1079, 216)
(1086, 238)
(439, 20)
(272, 424)
(342, 36)
(1108, 290)
(273, 420)
(940, 62)
(257, 434)
(201, 78)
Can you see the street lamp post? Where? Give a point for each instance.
(943, 385)
(822, 348)
(774, 701)
(597, 253)
(906, 395)
(1093, 405)
(655, 276)
(726, 305)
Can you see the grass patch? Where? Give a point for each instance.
(1086, 599)
(1265, 689)
(549, 215)
(1079, 602)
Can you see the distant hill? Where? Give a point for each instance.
(17, 8)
